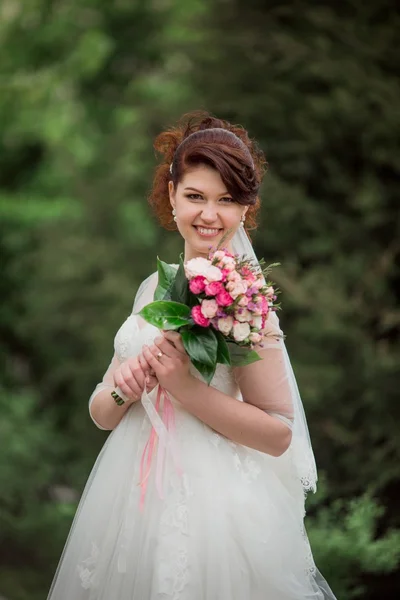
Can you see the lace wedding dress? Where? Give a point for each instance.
(230, 524)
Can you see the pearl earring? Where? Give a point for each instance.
(174, 214)
(242, 221)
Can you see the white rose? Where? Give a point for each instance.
(229, 263)
(225, 325)
(256, 321)
(212, 274)
(196, 266)
(241, 331)
(244, 316)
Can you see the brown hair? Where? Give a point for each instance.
(200, 138)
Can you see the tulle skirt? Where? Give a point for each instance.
(229, 527)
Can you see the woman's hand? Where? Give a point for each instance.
(130, 377)
(172, 367)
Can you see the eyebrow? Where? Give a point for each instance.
(200, 192)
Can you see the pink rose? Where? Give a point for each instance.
(224, 274)
(243, 301)
(225, 325)
(255, 338)
(209, 308)
(229, 263)
(270, 292)
(241, 331)
(233, 276)
(197, 284)
(214, 288)
(248, 275)
(218, 254)
(224, 298)
(258, 283)
(236, 288)
(198, 317)
(264, 305)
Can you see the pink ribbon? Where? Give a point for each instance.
(163, 432)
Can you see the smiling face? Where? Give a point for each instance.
(205, 210)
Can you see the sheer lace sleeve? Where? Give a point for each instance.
(106, 383)
(266, 384)
(144, 296)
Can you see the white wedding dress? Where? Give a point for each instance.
(230, 526)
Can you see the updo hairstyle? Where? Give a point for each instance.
(201, 139)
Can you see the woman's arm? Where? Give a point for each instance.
(105, 412)
(129, 376)
(241, 422)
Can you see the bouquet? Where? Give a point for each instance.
(219, 305)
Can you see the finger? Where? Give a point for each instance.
(151, 383)
(137, 370)
(154, 362)
(176, 339)
(162, 357)
(130, 379)
(166, 347)
(144, 364)
(119, 382)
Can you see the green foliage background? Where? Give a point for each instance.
(84, 88)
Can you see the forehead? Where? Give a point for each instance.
(203, 178)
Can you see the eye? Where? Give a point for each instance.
(193, 196)
(228, 200)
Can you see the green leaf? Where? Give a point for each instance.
(166, 276)
(241, 356)
(201, 344)
(180, 287)
(206, 371)
(223, 355)
(166, 315)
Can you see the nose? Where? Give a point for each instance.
(209, 214)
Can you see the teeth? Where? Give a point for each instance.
(207, 231)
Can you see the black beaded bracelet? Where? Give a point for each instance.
(117, 399)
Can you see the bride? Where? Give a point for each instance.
(217, 512)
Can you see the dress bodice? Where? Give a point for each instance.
(135, 332)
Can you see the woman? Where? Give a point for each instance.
(226, 521)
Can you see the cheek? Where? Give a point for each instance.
(187, 216)
(233, 216)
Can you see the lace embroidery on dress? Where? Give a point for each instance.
(174, 571)
(305, 467)
(126, 337)
(86, 569)
(310, 567)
